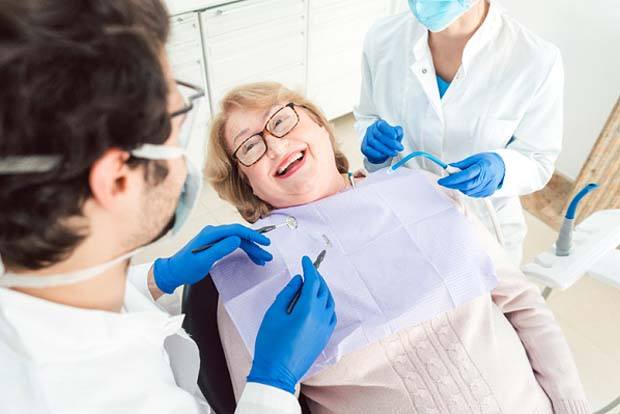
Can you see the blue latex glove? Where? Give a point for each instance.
(287, 345)
(482, 174)
(382, 141)
(186, 267)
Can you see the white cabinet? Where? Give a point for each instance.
(255, 40)
(335, 41)
(185, 52)
(312, 46)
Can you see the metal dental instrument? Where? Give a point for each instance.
(293, 302)
(290, 222)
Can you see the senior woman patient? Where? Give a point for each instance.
(501, 352)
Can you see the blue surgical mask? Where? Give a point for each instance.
(192, 148)
(436, 15)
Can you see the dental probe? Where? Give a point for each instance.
(295, 299)
(290, 222)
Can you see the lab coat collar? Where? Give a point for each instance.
(48, 332)
(485, 33)
(421, 51)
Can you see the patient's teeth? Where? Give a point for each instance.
(297, 156)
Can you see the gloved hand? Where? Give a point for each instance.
(287, 345)
(482, 174)
(382, 141)
(186, 267)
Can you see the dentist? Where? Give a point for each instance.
(97, 160)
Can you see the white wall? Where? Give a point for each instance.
(399, 6)
(588, 34)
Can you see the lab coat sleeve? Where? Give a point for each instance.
(530, 158)
(263, 399)
(137, 275)
(549, 354)
(365, 112)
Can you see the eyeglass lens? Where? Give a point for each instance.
(280, 124)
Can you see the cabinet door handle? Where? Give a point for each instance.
(222, 12)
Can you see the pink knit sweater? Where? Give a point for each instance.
(500, 353)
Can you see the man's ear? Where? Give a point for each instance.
(109, 177)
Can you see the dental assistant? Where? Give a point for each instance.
(464, 81)
(98, 159)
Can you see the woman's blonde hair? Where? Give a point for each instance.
(222, 171)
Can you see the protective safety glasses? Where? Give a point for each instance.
(188, 139)
(192, 95)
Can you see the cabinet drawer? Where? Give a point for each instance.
(326, 38)
(182, 27)
(337, 97)
(284, 53)
(184, 43)
(238, 43)
(192, 72)
(333, 65)
(348, 30)
(184, 49)
(344, 11)
(249, 13)
(293, 77)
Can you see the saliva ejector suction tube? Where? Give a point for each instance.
(564, 243)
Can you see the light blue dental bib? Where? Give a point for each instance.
(399, 253)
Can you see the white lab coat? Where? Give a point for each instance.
(510, 84)
(61, 359)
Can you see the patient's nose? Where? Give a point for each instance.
(276, 147)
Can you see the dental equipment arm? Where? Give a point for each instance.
(564, 243)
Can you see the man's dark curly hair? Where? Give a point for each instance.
(77, 77)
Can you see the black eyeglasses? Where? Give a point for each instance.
(190, 93)
(252, 149)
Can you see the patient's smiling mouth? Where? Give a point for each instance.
(291, 164)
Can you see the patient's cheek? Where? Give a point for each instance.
(324, 151)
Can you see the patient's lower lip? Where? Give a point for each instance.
(293, 168)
